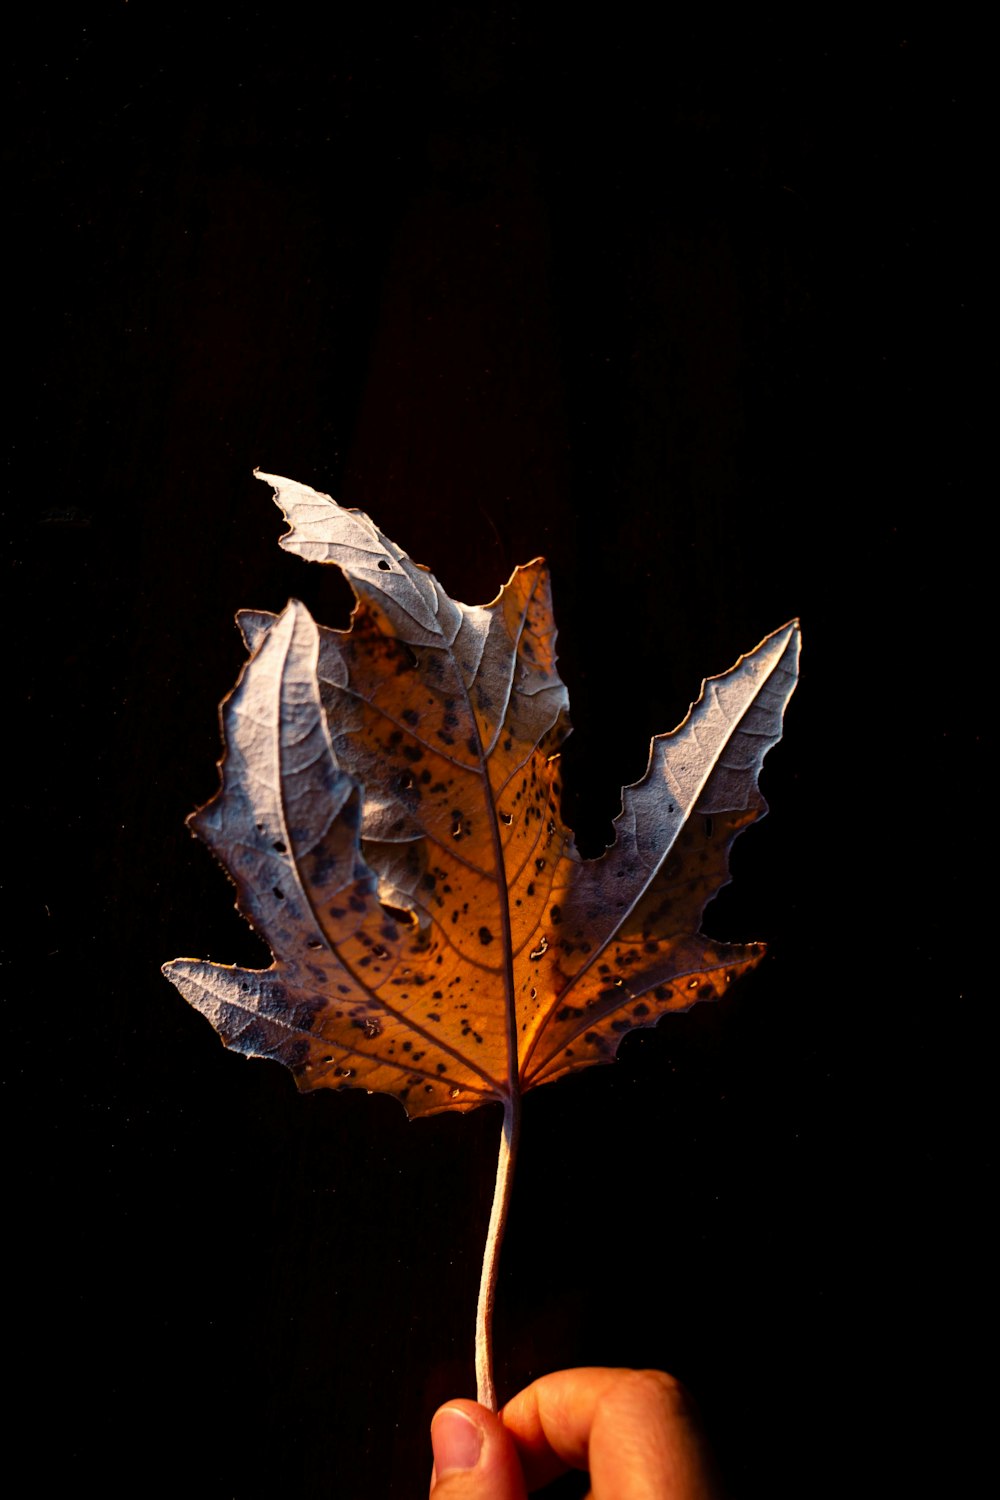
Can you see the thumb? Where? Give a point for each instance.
(474, 1455)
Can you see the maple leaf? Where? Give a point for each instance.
(389, 811)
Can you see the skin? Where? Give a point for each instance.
(634, 1430)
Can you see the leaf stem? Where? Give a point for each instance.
(485, 1390)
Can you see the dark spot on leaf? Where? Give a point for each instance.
(485, 935)
(272, 999)
(371, 1026)
(296, 1055)
(305, 1014)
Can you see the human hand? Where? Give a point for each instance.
(633, 1429)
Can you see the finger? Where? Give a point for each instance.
(474, 1456)
(634, 1430)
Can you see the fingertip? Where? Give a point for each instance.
(457, 1440)
(474, 1456)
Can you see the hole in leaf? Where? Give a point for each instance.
(279, 847)
(279, 893)
(384, 567)
(507, 818)
(399, 914)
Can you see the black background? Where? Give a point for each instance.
(691, 308)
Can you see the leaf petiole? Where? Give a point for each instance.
(485, 1389)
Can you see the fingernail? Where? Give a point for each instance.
(456, 1440)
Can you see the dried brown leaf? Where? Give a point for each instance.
(390, 814)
